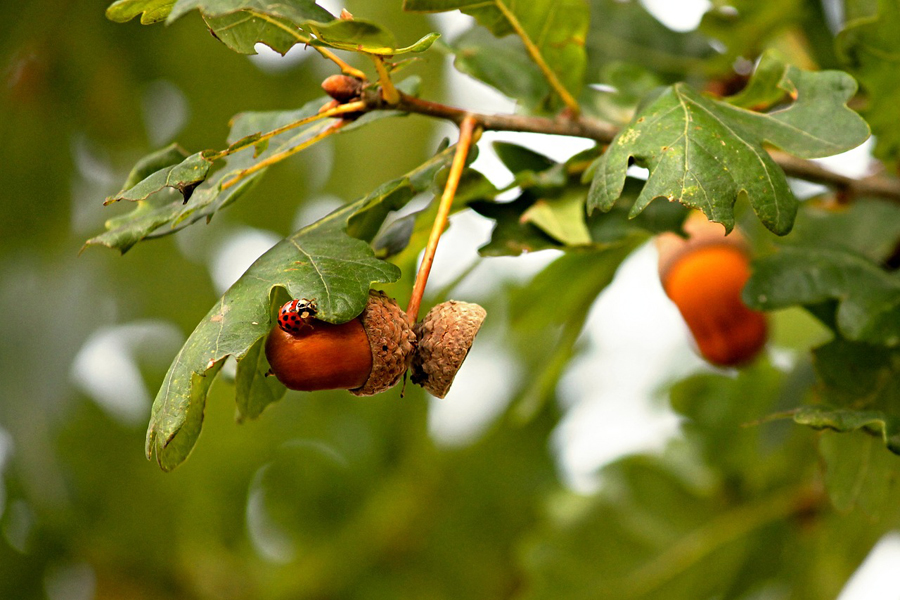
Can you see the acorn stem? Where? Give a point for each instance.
(466, 137)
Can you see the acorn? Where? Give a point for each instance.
(366, 355)
(445, 336)
(704, 276)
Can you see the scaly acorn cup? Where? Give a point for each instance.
(365, 355)
(704, 276)
(445, 336)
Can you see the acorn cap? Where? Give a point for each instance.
(701, 232)
(391, 340)
(445, 336)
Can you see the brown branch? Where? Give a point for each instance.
(877, 186)
(571, 126)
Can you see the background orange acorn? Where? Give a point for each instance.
(704, 276)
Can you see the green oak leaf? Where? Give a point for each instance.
(870, 49)
(532, 169)
(705, 153)
(501, 63)
(562, 218)
(319, 262)
(556, 28)
(150, 217)
(241, 24)
(625, 32)
(256, 388)
(550, 211)
(124, 231)
(745, 28)
(150, 11)
(511, 236)
(156, 209)
(293, 10)
(164, 157)
(868, 297)
(410, 233)
(184, 176)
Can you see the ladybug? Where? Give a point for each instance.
(292, 317)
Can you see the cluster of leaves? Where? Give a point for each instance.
(705, 152)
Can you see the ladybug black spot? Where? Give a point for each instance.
(384, 348)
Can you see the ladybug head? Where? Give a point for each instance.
(294, 315)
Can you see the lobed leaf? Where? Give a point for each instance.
(318, 262)
(705, 153)
(868, 297)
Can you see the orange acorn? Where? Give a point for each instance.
(365, 355)
(704, 276)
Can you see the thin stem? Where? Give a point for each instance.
(346, 69)
(466, 135)
(536, 56)
(334, 128)
(331, 112)
(391, 95)
(574, 127)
